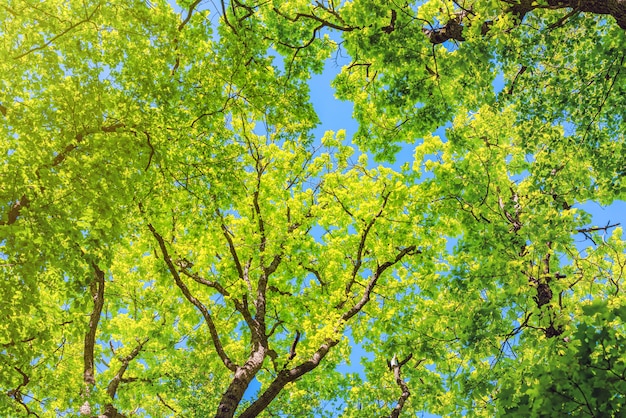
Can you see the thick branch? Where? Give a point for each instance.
(453, 29)
(289, 375)
(412, 249)
(114, 383)
(395, 413)
(80, 137)
(205, 313)
(189, 13)
(615, 8)
(286, 376)
(97, 294)
(15, 210)
(17, 392)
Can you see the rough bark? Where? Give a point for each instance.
(453, 29)
(243, 376)
(615, 8)
(97, 294)
(395, 412)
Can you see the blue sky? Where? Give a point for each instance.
(335, 115)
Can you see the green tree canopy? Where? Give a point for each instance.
(174, 234)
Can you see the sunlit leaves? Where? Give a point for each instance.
(167, 210)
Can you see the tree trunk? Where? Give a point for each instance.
(243, 376)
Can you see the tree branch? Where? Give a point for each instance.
(115, 381)
(16, 208)
(597, 228)
(286, 376)
(54, 38)
(395, 413)
(231, 246)
(410, 250)
(289, 375)
(205, 313)
(80, 137)
(16, 393)
(97, 294)
(189, 13)
(242, 307)
(292, 350)
(361, 248)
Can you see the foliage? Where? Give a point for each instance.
(176, 241)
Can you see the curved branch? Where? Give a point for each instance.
(54, 38)
(16, 208)
(241, 307)
(361, 248)
(80, 137)
(199, 305)
(323, 22)
(189, 13)
(115, 381)
(410, 250)
(286, 376)
(97, 294)
(16, 393)
(395, 413)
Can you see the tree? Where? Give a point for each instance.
(173, 234)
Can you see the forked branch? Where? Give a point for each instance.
(199, 305)
(395, 413)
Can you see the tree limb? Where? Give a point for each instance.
(54, 38)
(412, 249)
(97, 294)
(199, 305)
(395, 413)
(292, 350)
(289, 375)
(115, 381)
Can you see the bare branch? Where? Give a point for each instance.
(597, 228)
